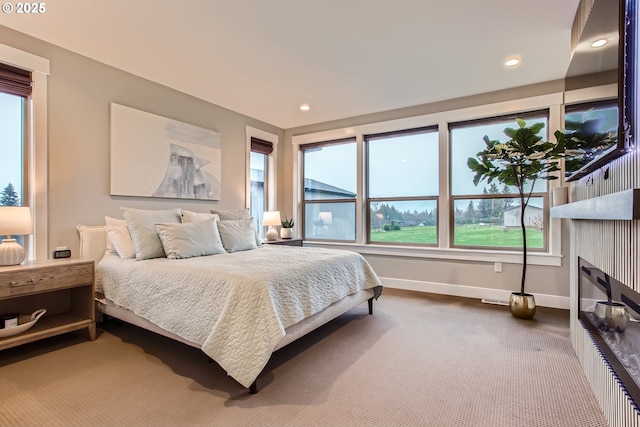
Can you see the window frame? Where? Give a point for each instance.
(304, 202)
(35, 190)
(553, 255)
(265, 200)
(368, 200)
(526, 116)
(271, 167)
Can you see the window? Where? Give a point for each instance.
(488, 215)
(30, 83)
(329, 190)
(402, 186)
(15, 87)
(11, 145)
(258, 166)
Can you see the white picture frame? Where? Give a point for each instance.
(154, 156)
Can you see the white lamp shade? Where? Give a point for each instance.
(271, 218)
(15, 220)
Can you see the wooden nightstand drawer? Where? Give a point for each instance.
(42, 279)
(64, 288)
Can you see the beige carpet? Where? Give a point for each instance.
(420, 360)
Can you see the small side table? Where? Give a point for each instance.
(65, 288)
(286, 242)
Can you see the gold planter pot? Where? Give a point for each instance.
(522, 306)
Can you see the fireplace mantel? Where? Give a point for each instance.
(624, 205)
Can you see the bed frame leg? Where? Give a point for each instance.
(253, 388)
(370, 301)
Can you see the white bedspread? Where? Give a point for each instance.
(238, 305)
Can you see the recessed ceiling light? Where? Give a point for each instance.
(599, 43)
(512, 62)
(305, 107)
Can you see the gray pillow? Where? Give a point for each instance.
(190, 239)
(237, 235)
(188, 216)
(232, 214)
(141, 224)
(235, 214)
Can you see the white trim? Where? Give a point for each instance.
(271, 166)
(24, 60)
(542, 300)
(591, 94)
(38, 144)
(39, 165)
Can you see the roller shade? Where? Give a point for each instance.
(261, 146)
(15, 81)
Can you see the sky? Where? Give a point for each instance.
(10, 141)
(407, 165)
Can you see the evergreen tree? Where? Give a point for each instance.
(484, 206)
(9, 196)
(507, 202)
(471, 213)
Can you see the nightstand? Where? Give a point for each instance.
(63, 287)
(286, 242)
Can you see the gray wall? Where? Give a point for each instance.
(80, 91)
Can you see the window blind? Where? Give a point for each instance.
(15, 81)
(261, 146)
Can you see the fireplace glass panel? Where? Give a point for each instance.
(610, 312)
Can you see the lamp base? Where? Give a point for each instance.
(11, 253)
(272, 234)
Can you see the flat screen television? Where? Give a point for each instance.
(597, 144)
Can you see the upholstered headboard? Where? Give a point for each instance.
(93, 241)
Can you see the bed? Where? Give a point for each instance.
(238, 307)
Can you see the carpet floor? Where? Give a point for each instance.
(420, 360)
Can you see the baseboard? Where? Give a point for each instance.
(542, 300)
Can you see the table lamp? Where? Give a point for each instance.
(272, 219)
(14, 220)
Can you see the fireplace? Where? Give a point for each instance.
(610, 312)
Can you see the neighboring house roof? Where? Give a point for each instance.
(320, 187)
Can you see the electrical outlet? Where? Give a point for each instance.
(497, 267)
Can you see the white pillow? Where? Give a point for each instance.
(118, 238)
(229, 215)
(141, 224)
(111, 222)
(237, 235)
(235, 214)
(190, 239)
(188, 216)
(93, 241)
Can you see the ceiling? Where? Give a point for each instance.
(343, 57)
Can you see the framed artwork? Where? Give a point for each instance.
(153, 156)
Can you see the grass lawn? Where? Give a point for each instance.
(465, 235)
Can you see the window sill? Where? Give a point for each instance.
(510, 257)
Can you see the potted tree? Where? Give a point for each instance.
(286, 232)
(519, 162)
